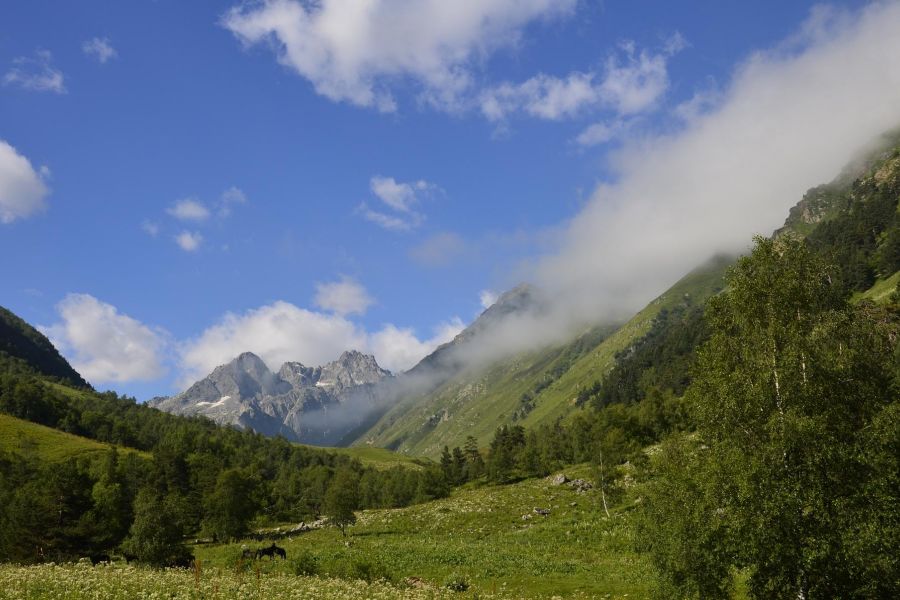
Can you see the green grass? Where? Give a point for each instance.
(477, 403)
(478, 535)
(880, 292)
(79, 581)
(380, 458)
(47, 444)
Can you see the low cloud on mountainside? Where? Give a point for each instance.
(789, 119)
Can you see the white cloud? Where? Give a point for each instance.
(789, 119)
(632, 82)
(100, 49)
(400, 198)
(22, 190)
(487, 298)
(398, 349)
(189, 240)
(281, 332)
(386, 221)
(36, 74)
(344, 297)
(105, 345)
(599, 133)
(542, 96)
(189, 209)
(635, 84)
(355, 51)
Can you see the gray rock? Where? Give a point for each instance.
(315, 405)
(581, 485)
(559, 479)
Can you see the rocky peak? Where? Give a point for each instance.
(299, 375)
(245, 376)
(351, 368)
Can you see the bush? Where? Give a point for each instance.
(456, 583)
(360, 568)
(305, 564)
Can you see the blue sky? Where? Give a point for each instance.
(325, 177)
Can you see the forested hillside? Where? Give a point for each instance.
(114, 475)
(26, 350)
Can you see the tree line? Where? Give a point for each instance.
(196, 479)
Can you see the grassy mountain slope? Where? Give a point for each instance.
(47, 444)
(881, 290)
(852, 220)
(531, 388)
(25, 349)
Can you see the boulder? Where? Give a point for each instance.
(559, 479)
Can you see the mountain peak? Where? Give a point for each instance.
(352, 368)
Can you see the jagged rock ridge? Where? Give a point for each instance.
(315, 405)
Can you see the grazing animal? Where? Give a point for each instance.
(128, 557)
(183, 562)
(248, 554)
(271, 551)
(99, 558)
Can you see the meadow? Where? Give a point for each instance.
(484, 539)
(116, 582)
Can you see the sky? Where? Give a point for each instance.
(184, 181)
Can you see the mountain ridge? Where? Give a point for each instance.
(300, 403)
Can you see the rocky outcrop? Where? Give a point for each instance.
(315, 405)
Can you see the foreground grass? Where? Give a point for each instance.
(82, 582)
(477, 536)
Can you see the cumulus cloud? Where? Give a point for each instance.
(399, 198)
(355, 51)
(105, 345)
(189, 241)
(281, 332)
(632, 82)
(189, 209)
(344, 297)
(100, 49)
(36, 74)
(22, 189)
(788, 119)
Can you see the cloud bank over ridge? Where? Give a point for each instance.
(790, 118)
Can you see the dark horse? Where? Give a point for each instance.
(271, 551)
(182, 562)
